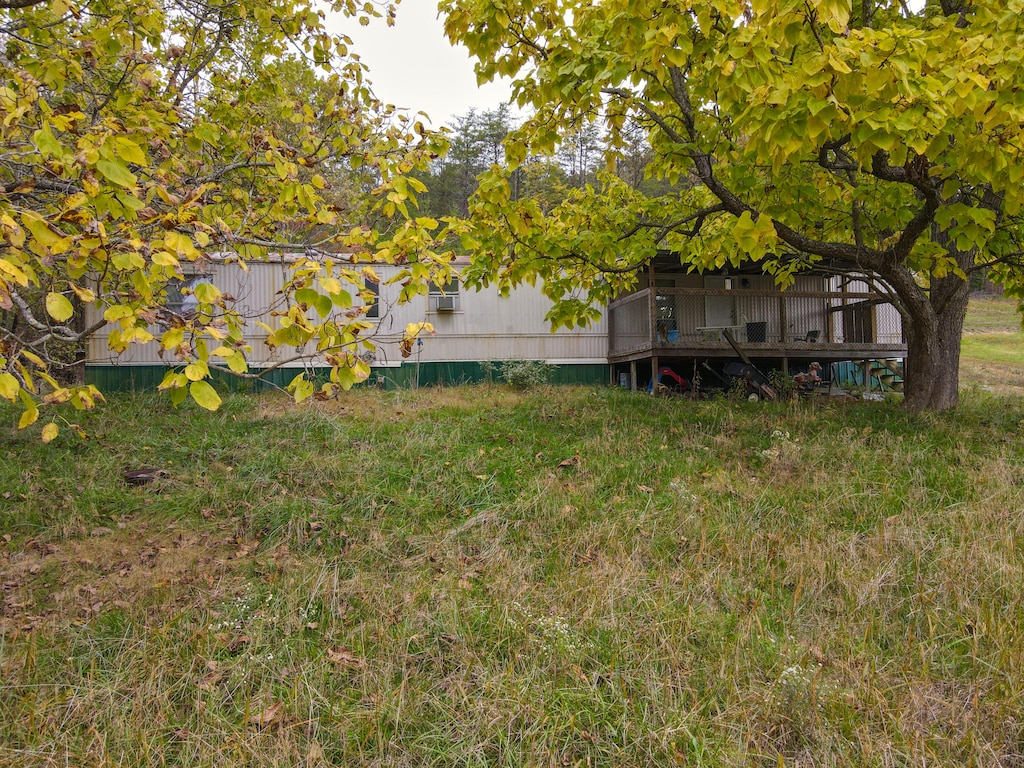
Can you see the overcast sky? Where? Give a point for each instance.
(413, 65)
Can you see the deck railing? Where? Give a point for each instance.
(680, 319)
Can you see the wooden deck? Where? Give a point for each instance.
(767, 325)
(761, 350)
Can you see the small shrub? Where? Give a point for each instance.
(737, 389)
(487, 369)
(525, 373)
(783, 384)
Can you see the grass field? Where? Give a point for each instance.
(486, 577)
(992, 352)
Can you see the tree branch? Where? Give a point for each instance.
(664, 229)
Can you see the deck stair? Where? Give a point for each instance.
(888, 374)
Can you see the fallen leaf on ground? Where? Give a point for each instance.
(316, 754)
(268, 716)
(234, 644)
(343, 657)
(210, 681)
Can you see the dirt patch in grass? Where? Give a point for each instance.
(155, 566)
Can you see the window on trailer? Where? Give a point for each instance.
(181, 299)
(446, 296)
(373, 302)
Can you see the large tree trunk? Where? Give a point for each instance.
(932, 372)
(934, 331)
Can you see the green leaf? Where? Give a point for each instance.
(178, 396)
(204, 395)
(46, 142)
(236, 362)
(116, 173)
(129, 151)
(307, 296)
(323, 305)
(207, 293)
(207, 132)
(301, 387)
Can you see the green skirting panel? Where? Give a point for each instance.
(137, 378)
(472, 372)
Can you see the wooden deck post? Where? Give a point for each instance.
(653, 305)
(611, 333)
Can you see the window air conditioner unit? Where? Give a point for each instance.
(447, 303)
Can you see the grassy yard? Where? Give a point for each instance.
(992, 352)
(484, 577)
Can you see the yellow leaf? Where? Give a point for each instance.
(58, 307)
(412, 330)
(50, 431)
(172, 380)
(196, 371)
(236, 362)
(33, 358)
(205, 395)
(165, 259)
(84, 294)
(117, 312)
(41, 230)
(28, 418)
(9, 386)
(172, 338)
(19, 276)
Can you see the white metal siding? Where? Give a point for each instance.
(485, 327)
